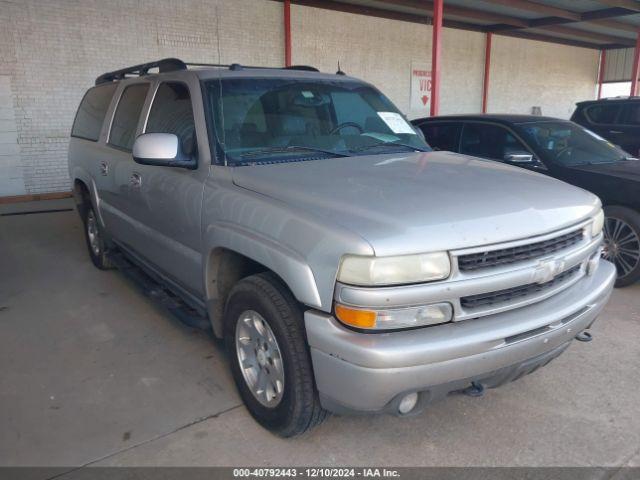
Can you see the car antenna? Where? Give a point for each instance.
(339, 72)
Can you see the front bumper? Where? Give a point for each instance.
(359, 372)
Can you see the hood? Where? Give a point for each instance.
(419, 202)
(627, 170)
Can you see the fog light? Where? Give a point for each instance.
(407, 403)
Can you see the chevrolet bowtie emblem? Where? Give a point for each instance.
(547, 270)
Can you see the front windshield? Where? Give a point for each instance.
(266, 119)
(567, 144)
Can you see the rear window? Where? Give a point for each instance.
(125, 120)
(442, 136)
(92, 111)
(602, 113)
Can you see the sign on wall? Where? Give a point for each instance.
(420, 89)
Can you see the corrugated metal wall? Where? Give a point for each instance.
(618, 65)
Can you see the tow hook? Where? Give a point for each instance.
(584, 336)
(476, 389)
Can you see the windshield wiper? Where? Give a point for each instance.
(290, 149)
(387, 144)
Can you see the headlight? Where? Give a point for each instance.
(389, 319)
(378, 271)
(597, 224)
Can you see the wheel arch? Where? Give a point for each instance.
(236, 255)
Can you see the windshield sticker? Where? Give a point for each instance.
(307, 94)
(396, 123)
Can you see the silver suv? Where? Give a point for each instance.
(347, 266)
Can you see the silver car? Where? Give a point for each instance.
(347, 266)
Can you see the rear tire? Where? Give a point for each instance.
(94, 237)
(269, 358)
(622, 243)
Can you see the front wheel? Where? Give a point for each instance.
(622, 243)
(269, 358)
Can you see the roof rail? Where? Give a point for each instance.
(175, 64)
(164, 65)
(622, 97)
(238, 66)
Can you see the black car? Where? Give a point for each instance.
(563, 150)
(616, 119)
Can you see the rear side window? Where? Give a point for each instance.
(489, 141)
(92, 111)
(602, 113)
(630, 114)
(125, 121)
(442, 136)
(172, 112)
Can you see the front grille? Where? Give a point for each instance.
(506, 295)
(476, 261)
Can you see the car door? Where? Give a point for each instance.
(115, 162)
(628, 126)
(496, 142)
(442, 135)
(166, 201)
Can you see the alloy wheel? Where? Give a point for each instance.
(259, 358)
(93, 233)
(621, 245)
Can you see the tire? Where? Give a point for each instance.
(94, 236)
(261, 311)
(622, 243)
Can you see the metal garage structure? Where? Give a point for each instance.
(606, 25)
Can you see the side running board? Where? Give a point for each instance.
(160, 293)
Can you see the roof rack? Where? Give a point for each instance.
(164, 65)
(175, 64)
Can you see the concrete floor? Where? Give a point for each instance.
(93, 373)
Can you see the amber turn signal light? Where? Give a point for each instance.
(356, 317)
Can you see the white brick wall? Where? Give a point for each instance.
(52, 50)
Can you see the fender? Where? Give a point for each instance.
(286, 263)
(231, 247)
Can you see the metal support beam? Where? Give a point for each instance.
(636, 66)
(287, 33)
(435, 56)
(487, 68)
(603, 66)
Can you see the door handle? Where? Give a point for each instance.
(104, 168)
(135, 180)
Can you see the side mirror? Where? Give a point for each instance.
(519, 157)
(162, 150)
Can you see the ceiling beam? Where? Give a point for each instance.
(532, 7)
(626, 27)
(630, 4)
(587, 35)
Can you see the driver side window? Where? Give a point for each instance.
(172, 112)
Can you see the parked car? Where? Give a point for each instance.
(347, 267)
(616, 119)
(563, 150)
